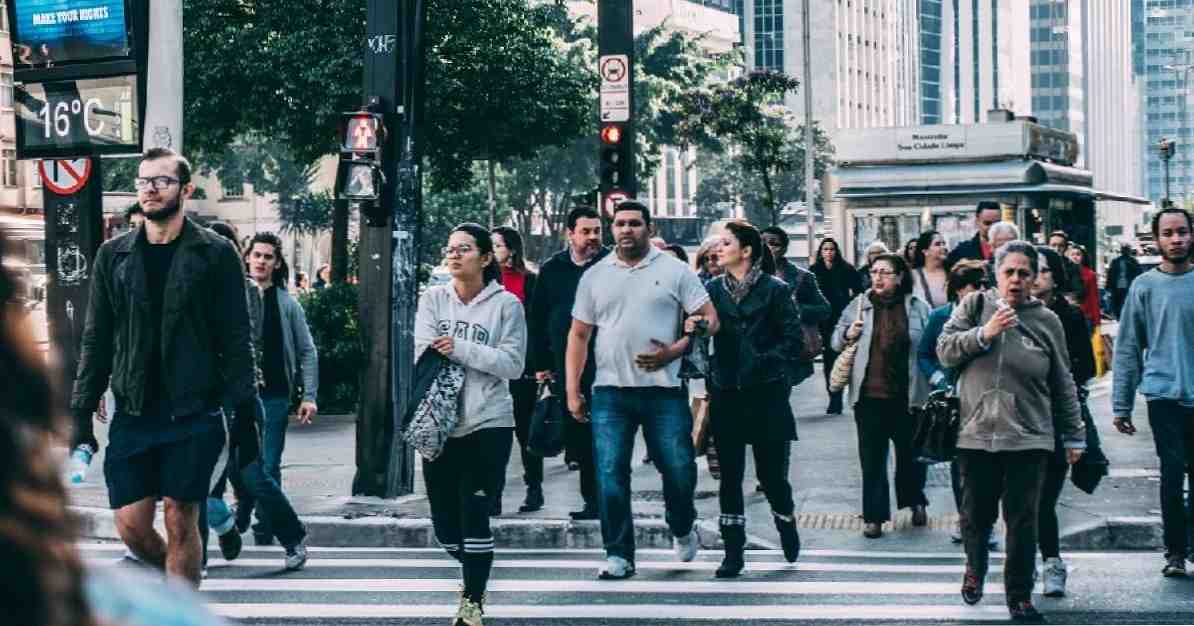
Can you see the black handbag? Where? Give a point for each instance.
(935, 439)
(546, 437)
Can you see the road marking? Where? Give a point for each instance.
(589, 586)
(673, 612)
(696, 566)
(119, 549)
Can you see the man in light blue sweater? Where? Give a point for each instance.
(1152, 353)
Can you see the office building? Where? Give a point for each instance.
(1165, 54)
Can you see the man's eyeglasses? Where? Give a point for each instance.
(157, 183)
(456, 250)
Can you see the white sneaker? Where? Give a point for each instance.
(616, 568)
(1054, 575)
(686, 546)
(296, 556)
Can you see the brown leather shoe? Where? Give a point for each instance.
(920, 517)
(872, 530)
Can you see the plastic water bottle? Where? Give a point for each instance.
(80, 460)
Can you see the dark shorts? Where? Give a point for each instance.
(180, 470)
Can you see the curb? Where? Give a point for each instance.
(1115, 533)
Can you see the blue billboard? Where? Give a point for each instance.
(48, 33)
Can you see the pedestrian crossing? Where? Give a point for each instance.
(416, 586)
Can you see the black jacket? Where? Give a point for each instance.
(840, 285)
(550, 315)
(1125, 264)
(759, 340)
(1077, 339)
(811, 303)
(970, 249)
(207, 358)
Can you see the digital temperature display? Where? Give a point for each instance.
(78, 118)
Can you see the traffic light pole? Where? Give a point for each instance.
(388, 248)
(615, 46)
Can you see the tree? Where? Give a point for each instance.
(745, 120)
(550, 183)
(443, 210)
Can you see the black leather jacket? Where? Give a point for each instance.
(207, 353)
(759, 340)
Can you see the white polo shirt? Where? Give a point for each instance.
(630, 306)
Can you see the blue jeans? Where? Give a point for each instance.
(663, 412)
(275, 419)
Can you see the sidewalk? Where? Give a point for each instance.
(1123, 514)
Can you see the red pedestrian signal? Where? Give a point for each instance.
(363, 132)
(611, 134)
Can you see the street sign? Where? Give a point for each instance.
(65, 177)
(615, 87)
(612, 200)
(73, 118)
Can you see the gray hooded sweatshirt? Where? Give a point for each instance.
(490, 335)
(1014, 390)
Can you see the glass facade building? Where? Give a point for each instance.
(1168, 48)
(769, 35)
(930, 61)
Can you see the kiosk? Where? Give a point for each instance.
(891, 184)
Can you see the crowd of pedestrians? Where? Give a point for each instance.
(206, 353)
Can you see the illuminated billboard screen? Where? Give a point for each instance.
(50, 33)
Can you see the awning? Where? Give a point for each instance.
(963, 179)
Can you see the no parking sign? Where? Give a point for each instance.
(65, 177)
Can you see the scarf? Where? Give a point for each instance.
(739, 289)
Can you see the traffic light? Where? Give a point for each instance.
(359, 177)
(616, 161)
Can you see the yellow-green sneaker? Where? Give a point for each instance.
(469, 613)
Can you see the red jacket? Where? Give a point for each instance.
(1090, 298)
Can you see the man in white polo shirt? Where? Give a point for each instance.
(635, 298)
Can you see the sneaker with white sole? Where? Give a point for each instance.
(80, 460)
(616, 568)
(686, 547)
(1054, 574)
(296, 556)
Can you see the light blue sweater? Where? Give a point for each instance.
(1155, 347)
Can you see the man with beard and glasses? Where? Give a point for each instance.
(548, 324)
(634, 299)
(1153, 353)
(168, 326)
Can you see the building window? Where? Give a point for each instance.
(9, 174)
(6, 90)
(233, 190)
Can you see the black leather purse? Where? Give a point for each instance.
(546, 437)
(935, 439)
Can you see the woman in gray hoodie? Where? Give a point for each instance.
(476, 323)
(1014, 384)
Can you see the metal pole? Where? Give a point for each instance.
(408, 204)
(164, 75)
(810, 175)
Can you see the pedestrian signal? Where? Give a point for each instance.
(362, 132)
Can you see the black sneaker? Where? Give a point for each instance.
(972, 588)
(230, 544)
(1023, 612)
(1174, 568)
(587, 513)
(534, 500)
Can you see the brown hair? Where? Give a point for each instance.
(965, 272)
(41, 582)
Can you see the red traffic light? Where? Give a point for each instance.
(363, 132)
(611, 134)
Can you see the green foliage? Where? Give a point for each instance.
(746, 120)
(497, 85)
(444, 210)
(332, 316)
(119, 173)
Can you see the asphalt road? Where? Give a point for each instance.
(913, 586)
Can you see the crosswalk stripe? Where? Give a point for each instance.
(758, 566)
(119, 549)
(590, 586)
(835, 612)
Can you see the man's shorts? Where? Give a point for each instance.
(180, 469)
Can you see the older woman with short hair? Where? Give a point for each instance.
(1015, 386)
